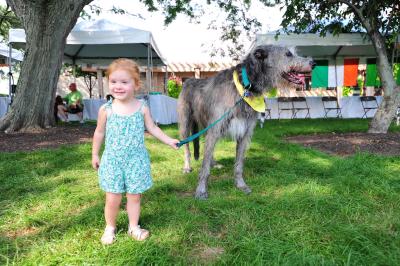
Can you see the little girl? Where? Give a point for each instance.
(125, 164)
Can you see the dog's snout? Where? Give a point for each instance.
(312, 64)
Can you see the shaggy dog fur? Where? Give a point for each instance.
(203, 101)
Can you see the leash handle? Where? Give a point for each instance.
(182, 142)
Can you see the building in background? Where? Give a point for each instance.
(159, 77)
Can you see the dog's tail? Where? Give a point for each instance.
(196, 145)
(185, 118)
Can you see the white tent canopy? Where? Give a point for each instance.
(5, 53)
(309, 44)
(99, 42)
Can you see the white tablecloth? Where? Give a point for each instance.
(3, 105)
(91, 108)
(163, 109)
(351, 108)
(89, 112)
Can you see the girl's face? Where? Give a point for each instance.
(121, 85)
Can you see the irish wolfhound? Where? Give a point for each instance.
(203, 101)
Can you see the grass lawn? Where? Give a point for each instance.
(306, 208)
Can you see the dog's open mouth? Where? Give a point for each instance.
(293, 77)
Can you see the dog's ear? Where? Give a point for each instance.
(260, 54)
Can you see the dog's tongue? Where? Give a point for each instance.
(293, 77)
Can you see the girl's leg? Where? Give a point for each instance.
(113, 201)
(111, 209)
(133, 209)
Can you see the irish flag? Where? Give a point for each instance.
(344, 73)
(327, 74)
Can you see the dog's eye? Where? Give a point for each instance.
(289, 54)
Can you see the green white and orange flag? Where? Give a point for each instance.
(345, 72)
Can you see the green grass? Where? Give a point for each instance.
(306, 208)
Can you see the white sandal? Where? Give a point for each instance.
(137, 233)
(108, 236)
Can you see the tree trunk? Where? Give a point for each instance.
(391, 100)
(385, 113)
(47, 25)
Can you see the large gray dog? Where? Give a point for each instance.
(203, 101)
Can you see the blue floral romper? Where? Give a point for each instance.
(125, 163)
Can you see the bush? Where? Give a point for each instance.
(174, 87)
(272, 93)
(347, 91)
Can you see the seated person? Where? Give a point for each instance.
(74, 102)
(60, 111)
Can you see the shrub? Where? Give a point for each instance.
(347, 91)
(272, 93)
(174, 87)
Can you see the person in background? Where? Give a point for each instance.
(60, 111)
(74, 101)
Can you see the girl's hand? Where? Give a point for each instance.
(95, 162)
(173, 143)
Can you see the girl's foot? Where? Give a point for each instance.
(108, 236)
(137, 233)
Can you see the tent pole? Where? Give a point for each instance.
(151, 67)
(148, 68)
(165, 79)
(100, 82)
(9, 76)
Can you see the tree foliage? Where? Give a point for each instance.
(342, 16)
(7, 20)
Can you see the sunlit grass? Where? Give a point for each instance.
(306, 207)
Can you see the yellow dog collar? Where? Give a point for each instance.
(255, 102)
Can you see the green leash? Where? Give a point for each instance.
(201, 132)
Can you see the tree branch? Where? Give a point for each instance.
(4, 16)
(357, 11)
(348, 3)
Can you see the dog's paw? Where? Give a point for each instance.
(201, 195)
(187, 170)
(245, 189)
(218, 166)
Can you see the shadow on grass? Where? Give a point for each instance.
(40, 233)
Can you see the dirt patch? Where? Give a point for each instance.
(208, 255)
(345, 144)
(338, 144)
(25, 232)
(49, 138)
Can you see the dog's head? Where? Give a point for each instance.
(270, 66)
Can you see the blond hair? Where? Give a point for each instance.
(128, 65)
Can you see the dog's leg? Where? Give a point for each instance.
(241, 146)
(185, 123)
(215, 164)
(201, 191)
(186, 166)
